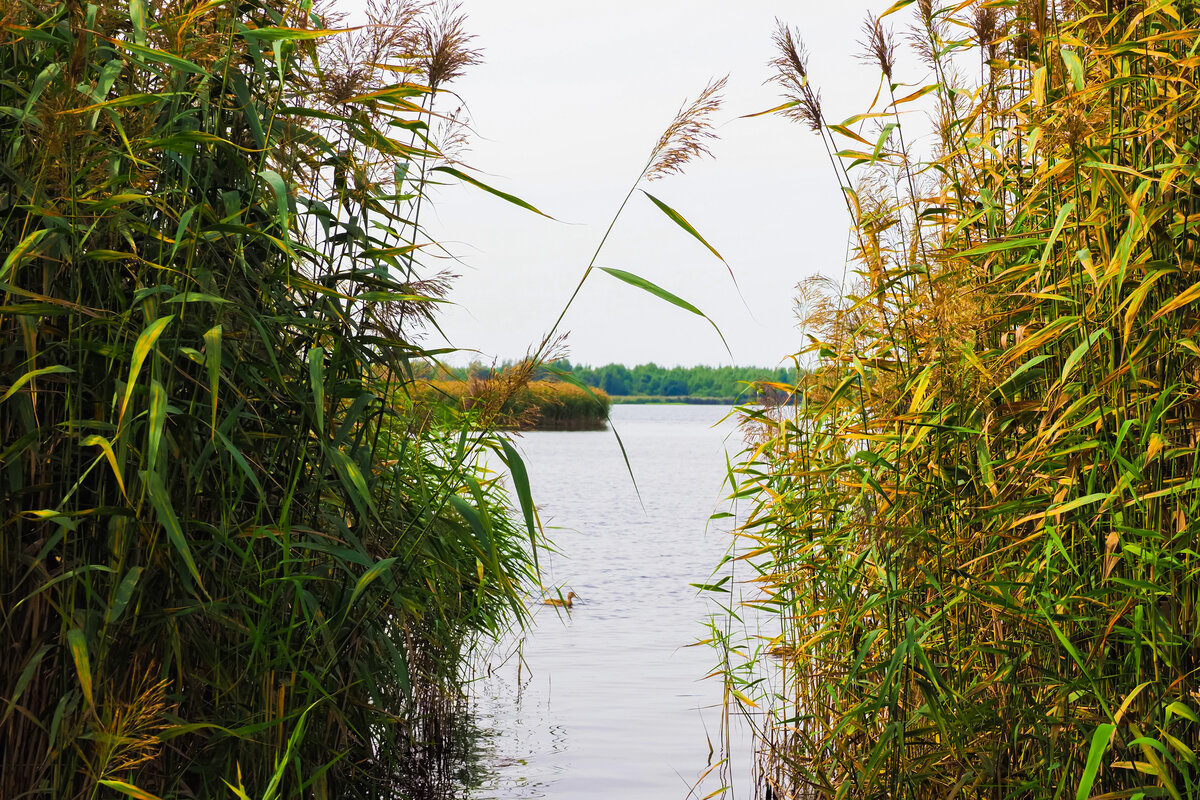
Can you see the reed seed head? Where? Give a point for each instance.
(442, 46)
(791, 72)
(985, 23)
(878, 46)
(352, 61)
(452, 136)
(687, 136)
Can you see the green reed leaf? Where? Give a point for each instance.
(197, 297)
(1100, 741)
(83, 669)
(24, 679)
(1079, 352)
(652, 288)
(353, 481)
(26, 249)
(516, 201)
(95, 440)
(212, 363)
(471, 515)
(141, 349)
(122, 596)
(163, 57)
(275, 181)
(316, 378)
(158, 421)
(50, 73)
(1059, 221)
(368, 577)
(678, 219)
(160, 499)
(1074, 67)
(138, 18)
(1006, 244)
(128, 789)
(282, 34)
(31, 375)
(520, 478)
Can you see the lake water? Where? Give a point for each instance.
(609, 700)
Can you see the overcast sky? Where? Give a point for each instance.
(568, 103)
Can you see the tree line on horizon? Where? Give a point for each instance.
(652, 380)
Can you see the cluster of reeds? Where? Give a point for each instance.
(229, 564)
(978, 525)
(534, 405)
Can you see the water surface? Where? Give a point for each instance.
(609, 700)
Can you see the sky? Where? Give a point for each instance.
(569, 102)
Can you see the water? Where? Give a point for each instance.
(609, 700)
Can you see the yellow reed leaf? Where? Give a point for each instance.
(1110, 555)
(129, 790)
(79, 653)
(1157, 442)
(1189, 295)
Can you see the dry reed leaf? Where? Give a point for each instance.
(1110, 555)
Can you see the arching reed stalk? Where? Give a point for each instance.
(684, 140)
(977, 526)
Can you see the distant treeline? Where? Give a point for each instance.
(652, 381)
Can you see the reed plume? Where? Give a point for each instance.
(442, 47)
(687, 137)
(356, 61)
(791, 73)
(877, 45)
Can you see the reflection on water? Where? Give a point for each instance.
(608, 700)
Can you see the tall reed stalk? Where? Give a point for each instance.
(977, 526)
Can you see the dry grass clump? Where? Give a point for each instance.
(504, 402)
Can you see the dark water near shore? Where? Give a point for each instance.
(609, 700)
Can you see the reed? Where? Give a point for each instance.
(536, 405)
(230, 564)
(977, 529)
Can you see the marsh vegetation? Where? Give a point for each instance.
(977, 527)
(250, 541)
(230, 564)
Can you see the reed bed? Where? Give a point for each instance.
(535, 405)
(977, 526)
(231, 565)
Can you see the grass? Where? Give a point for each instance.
(977, 532)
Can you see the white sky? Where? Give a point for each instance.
(566, 107)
